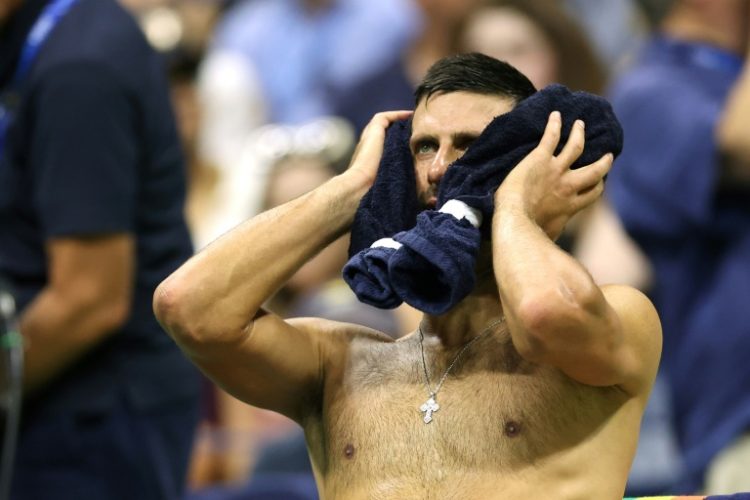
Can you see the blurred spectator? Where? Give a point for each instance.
(11, 375)
(392, 85)
(317, 288)
(653, 10)
(611, 256)
(616, 28)
(681, 188)
(539, 38)
(91, 219)
(279, 61)
(180, 31)
(183, 55)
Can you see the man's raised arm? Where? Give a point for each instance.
(211, 305)
(556, 313)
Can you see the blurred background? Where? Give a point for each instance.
(270, 97)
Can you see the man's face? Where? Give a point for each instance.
(443, 127)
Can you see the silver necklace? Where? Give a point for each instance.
(431, 406)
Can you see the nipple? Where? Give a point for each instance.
(512, 428)
(349, 451)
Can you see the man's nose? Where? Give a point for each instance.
(438, 167)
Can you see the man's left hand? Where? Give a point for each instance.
(544, 186)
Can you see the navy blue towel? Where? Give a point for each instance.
(431, 265)
(391, 204)
(475, 176)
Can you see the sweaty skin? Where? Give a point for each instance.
(548, 405)
(506, 428)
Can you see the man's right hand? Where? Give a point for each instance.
(369, 150)
(212, 304)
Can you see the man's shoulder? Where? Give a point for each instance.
(98, 34)
(106, 25)
(641, 335)
(637, 300)
(336, 301)
(633, 307)
(342, 345)
(339, 332)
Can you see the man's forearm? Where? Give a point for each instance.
(57, 332)
(216, 294)
(540, 284)
(87, 297)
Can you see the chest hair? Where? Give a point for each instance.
(497, 411)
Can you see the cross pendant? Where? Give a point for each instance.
(428, 408)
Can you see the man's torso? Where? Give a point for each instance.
(505, 428)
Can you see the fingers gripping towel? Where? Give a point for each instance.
(391, 203)
(508, 138)
(427, 259)
(390, 206)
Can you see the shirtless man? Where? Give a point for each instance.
(545, 375)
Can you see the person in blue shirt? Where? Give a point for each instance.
(92, 188)
(681, 188)
(285, 61)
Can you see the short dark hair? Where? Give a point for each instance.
(477, 73)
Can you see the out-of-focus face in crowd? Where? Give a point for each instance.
(506, 34)
(291, 178)
(450, 10)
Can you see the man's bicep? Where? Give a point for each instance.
(278, 365)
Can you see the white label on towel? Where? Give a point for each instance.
(461, 210)
(387, 243)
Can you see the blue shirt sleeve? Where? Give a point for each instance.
(84, 153)
(664, 181)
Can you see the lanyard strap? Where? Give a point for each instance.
(51, 15)
(49, 18)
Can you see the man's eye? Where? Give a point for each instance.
(425, 148)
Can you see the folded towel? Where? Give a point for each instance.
(390, 206)
(431, 266)
(366, 273)
(434, 269)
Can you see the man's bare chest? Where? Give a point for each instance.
(496, 412)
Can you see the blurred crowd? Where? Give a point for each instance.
(270, 97)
